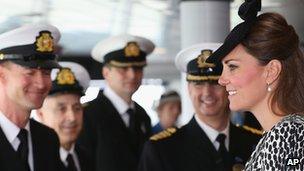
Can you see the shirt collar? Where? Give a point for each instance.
(10, 129)
(64, 153)
(120, 105)
(211, 132)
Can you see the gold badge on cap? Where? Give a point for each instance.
(132, 49)
(65, 77)
(201, 59)
(44, 42)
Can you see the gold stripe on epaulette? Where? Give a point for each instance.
(164, 134)
(253, 130)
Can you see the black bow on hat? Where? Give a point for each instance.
(249, 9)
(248, 12)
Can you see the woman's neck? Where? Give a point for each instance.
(266, 117)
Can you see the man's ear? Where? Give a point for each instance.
(105, 72)
(2, 73)
(273, 70)
(189, 88)
(39, 114)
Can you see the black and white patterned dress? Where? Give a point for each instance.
(284, 141)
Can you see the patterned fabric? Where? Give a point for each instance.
(280, 146)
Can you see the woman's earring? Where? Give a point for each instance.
(269, 89)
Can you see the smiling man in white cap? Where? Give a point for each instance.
(115, 127)
(26, 59)
(63, 112)
(209, 141)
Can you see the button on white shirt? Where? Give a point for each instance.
(11, 131)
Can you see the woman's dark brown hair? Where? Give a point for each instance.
(272, 38)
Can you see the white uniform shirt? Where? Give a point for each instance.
(64, 154)
(120, 105)
(212, 133)
(11, 132)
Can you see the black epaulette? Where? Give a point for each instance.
(163, 134)
(251, 129)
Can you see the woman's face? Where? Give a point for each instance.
(244, 79)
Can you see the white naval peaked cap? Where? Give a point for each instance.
(31, 45)
(26, 35)
(186, 55)
(105, 48)
(79, 72)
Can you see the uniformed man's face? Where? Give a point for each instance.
(63, 113)
(24, 87)
(124, 81)
(208, 98)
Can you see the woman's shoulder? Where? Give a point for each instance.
(291, 120)
(286, 140)
(297, 117)
(283, 142)
(289, 127)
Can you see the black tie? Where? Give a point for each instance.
(71, 163)
(131, 113)
(223, 152)
(22, 150)
(134, 130)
